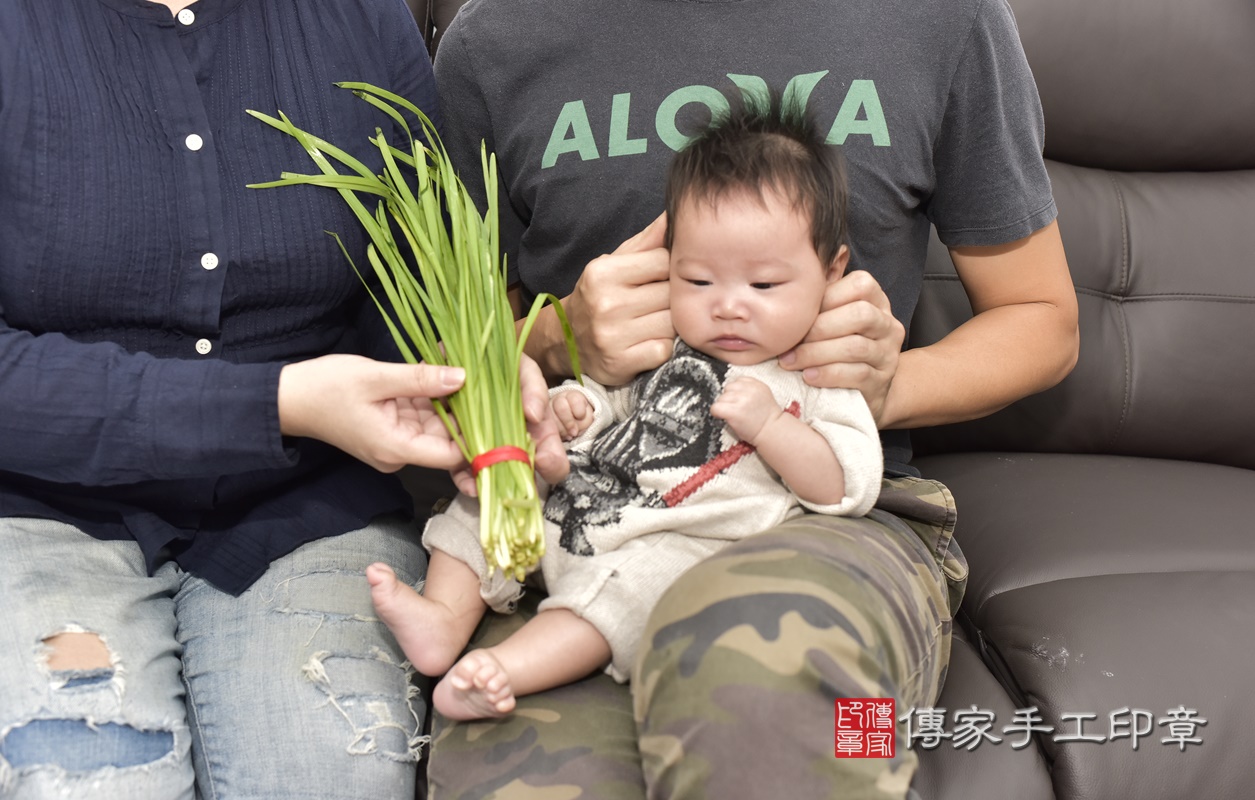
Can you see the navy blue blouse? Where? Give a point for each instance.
(148, 299)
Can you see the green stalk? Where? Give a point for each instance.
(446, 286)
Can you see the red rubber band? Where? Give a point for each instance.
(498, 454)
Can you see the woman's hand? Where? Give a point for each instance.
(619, 311)
(854, 343)
(381, 413)
(377, 412)
(551, 458)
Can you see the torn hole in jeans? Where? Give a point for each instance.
(76, 658)
(80, 745)
(371, 717)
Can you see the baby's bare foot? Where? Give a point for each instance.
(423, 628)
(476, 688)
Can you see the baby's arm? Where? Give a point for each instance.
(573, 411)
(585, 410)
(801, 455)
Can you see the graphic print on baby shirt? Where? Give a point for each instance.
(669, 427)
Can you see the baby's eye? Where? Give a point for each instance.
(764, 285)
(696, 282)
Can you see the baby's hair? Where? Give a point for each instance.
(765, 143)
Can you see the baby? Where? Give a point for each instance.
(717, 444)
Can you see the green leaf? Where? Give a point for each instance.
(442, 290)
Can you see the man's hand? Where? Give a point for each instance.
(620, 309)
(574, 413)
(854, 343)
(748, 406)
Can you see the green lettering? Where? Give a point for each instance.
(797, 91)
(862, 96)
(751, 85)
(620, 144)
(575, 120)
(800, 87)
(664, 122)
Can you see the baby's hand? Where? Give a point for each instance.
(747, 405)
(574, 413)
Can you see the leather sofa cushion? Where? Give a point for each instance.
(1104, 581)
(1162, 266)
(1144, 84)
(947, 773)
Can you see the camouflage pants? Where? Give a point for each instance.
(732, 695)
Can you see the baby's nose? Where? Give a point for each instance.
(729, 305)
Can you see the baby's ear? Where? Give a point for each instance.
(837, 268)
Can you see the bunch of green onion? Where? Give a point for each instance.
(455, 311)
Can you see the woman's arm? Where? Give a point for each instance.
(97, 415)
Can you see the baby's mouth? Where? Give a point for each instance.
(732, 343)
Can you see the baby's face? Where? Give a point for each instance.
(746, 282)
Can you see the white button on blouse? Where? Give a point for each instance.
(203, 346)
(186, 16)
(209, 261)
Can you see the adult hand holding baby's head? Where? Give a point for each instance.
(620, 308)
(854, 343)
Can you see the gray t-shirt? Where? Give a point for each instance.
(585, 101)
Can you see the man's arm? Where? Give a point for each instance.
(1022, 339)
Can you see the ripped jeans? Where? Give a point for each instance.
(292, 690)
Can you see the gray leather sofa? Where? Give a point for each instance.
(1110, 522)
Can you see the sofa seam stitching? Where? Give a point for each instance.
(1124, 328)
